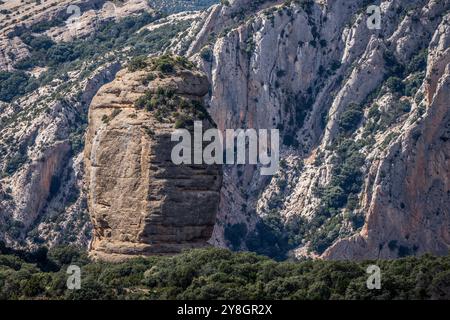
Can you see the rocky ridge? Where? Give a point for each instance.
(363, 115)
(319, 74)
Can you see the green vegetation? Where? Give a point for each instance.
(19, 156)
(395, 85)
(14, 84)
(235, 234)
(350, 118)
(413, 83)
(379, 120)
(274, 237)
(216, 274)
(45, 52)
(137, 63)
(418, 62)
(175, 6)
(347, 175)
(166, 105)
(345, 185)
(60, 58)
(206, 54)
(109, 36)
(168, 64)
(106, 45)
(12, 226)
(405, 80)
(394, 68)
(298, 106)
(45, 25)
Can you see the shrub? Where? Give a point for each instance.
(274, 237)
(61, 53)
(393, 67)
(358, 221)
(334, 196)
(13, 84)
(41, 43)
(165, 65)
(18, 159)
(395, 85)
(137, 63)
(418, 62)
(183, 122)
(350, 118)
(413, 84)
(281, 73)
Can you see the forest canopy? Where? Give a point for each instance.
(216, 274)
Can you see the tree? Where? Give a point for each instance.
(12, 84)
(395, 85)
(350, 118)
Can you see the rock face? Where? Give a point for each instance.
(42, 195)
(412, 206)
(77, 19)
(376, 188)
(363, 115)
(140, 202)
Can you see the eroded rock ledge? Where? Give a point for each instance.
(139, 201)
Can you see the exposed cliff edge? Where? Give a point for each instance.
(364, 118)
(44, 105)
(140, 202)
(409, 201)
(363, 115)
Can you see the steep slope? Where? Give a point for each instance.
(140, 202)
(44, 105)
(60, 20)
(363, 116)
(408, 204)
(364, 119)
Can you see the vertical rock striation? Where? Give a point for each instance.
(140, 202)
(363, 115)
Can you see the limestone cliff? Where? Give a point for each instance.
(364, 120)
(363, 116)
(61, 20)
(409, 199)
(44, 105)
(140, 202)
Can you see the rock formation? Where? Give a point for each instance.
(363, 115)
(71, 19)
(304, 67)
(141, 203)
(42, 197)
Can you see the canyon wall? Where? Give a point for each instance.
(141, 202)
(363, 116)
(42, 128)
(373, 187)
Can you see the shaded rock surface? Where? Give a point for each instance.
(42, 196)
(301, 67)
(140, 202)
